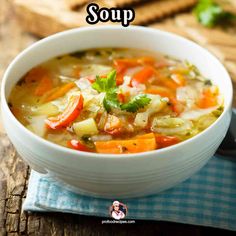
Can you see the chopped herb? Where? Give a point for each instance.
(78, 54)
(86, 140)
(218, 111)
(97, 53)
(209, 13)
(109, 52)
(139, 101)
(20, 82)
(192, 67)
(110, 101)
(124, 149)
(208, 82)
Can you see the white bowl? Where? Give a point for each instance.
(117, 176)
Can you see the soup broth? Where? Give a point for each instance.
(115, 101)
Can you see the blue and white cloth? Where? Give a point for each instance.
(208, 198)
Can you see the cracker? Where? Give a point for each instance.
(74, 4)
(156, 10)
(44, 17)
(121, 3)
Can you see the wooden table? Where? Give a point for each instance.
(14, 174)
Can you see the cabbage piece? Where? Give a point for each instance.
(171, 126)
(94, 69)
(47, 109)
(141, 119)
(96, 138)
(37, 125)
(156, 105)
(188, 95)
(83, 83)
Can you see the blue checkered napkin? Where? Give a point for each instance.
(208, 198)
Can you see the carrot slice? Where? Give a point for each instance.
(126, 146)
(35, 74)
(121, 65)
(120, 78)
(132, 62)
(146, 60)
(160, 90)
(121, 97)
(208, 99)
(178, 79)
(169, 83)
(146, 136)
(176, 106)
(76, 72)
(58, 92)
(121, 68)
(71, 112)
(142, 76)
(44, 86)
(166, 141)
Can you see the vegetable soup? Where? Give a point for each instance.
(115, 101)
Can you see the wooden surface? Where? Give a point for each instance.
(14, 172)
(47, 17)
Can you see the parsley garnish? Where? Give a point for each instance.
(210, 13)
(108, 85)
(139, 101)
(208, 82)
(110, 101)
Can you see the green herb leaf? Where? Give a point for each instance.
(139, 101)
(210, 13)
(110, 101)
(107, 84)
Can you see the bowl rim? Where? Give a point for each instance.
(63, 149)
